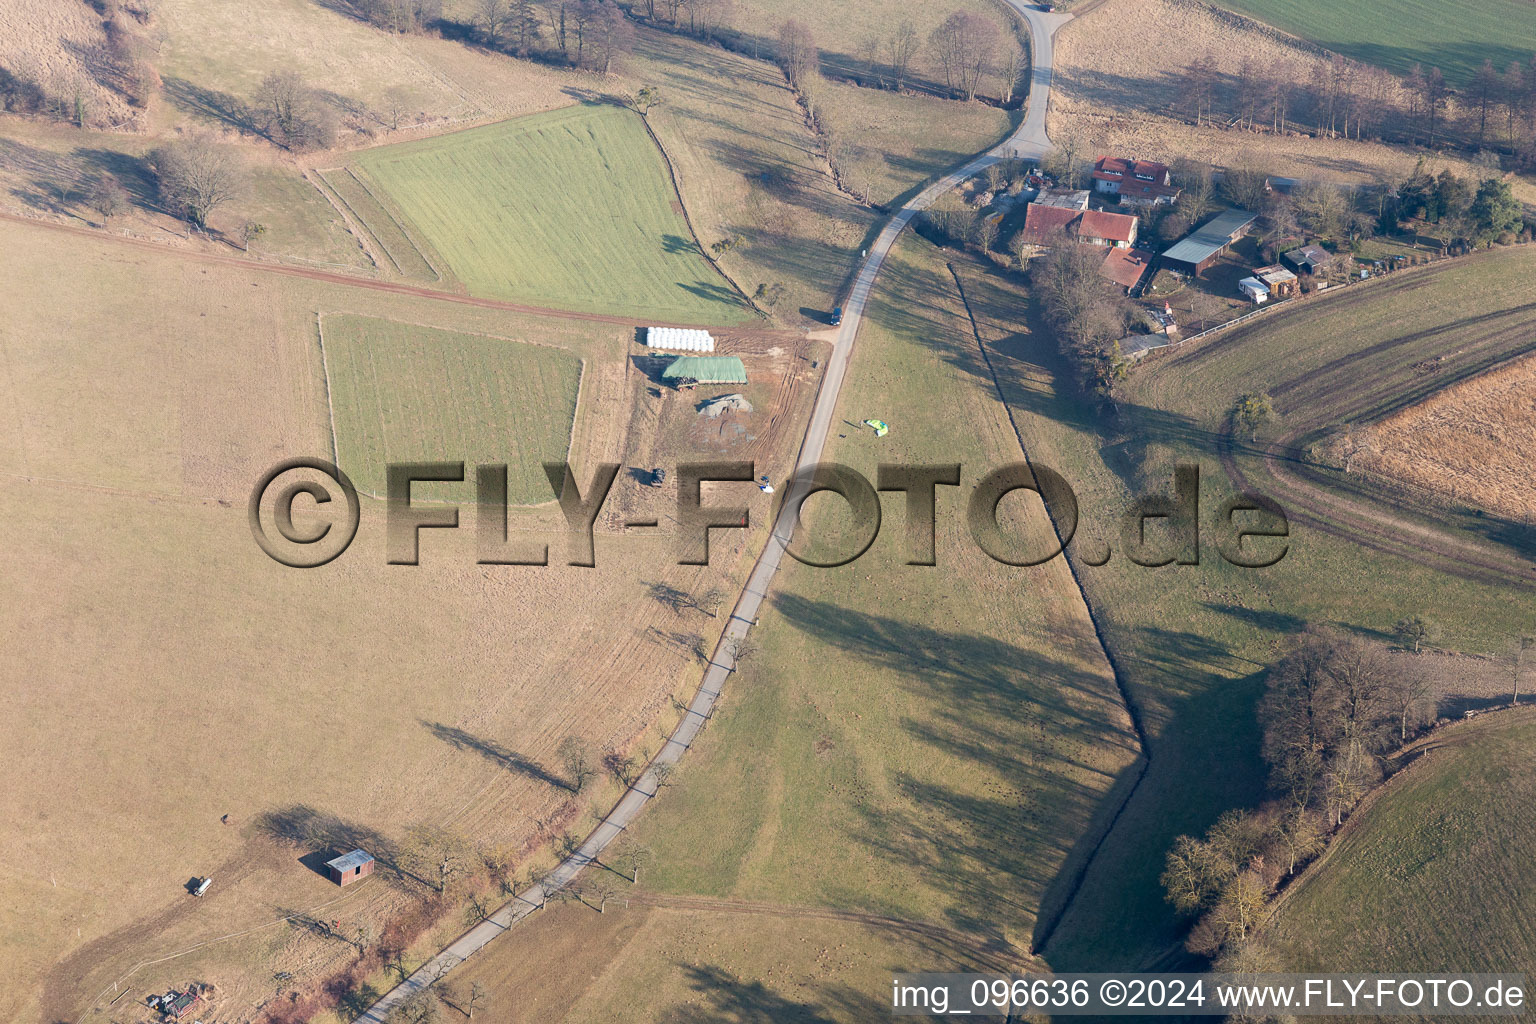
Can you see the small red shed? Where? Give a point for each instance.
(350, 867)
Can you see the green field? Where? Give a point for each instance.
(1434, 874)
(402, 393)
(570, 209)
(1454, 35)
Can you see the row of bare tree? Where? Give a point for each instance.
(1343, 98)
(588, 33)
(966, 49)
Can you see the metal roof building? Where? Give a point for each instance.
(686, 371)
(350, 867)
(1201, 247)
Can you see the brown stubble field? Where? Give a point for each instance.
(1102, 99)
(1473, 443)
(165, 673)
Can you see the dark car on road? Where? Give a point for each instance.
(837, 316)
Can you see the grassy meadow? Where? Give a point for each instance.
(1193, 641)
(490, 400)
(511, 216)
(1430, 875)
(1454, 35)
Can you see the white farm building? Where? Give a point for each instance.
(679, 339)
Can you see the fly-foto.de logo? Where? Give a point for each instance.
(1247, 530)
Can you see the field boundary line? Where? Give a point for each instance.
(1144, 750)
(397, 221)
(359, 218)
(325, 372)
(404, 288)
(357, 231)
(688, 220)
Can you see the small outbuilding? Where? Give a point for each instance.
(691, 371)
(1253, 290)
(1309, 259)
(350, 867)
(1280, 282)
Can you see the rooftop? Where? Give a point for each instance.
(1211, 237)
(1125, 267)
(1064, 198)
(1114, 168)
(347, 861)
(1116, 227)
(1275, 274)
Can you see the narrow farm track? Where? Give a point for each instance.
(332, 277)
(1028, 141)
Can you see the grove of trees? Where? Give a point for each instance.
(1332, 708)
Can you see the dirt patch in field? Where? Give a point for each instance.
(1120, 81)
(1474, 443)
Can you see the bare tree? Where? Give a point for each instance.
(196, 176)
(797, 52)
(963, 45)
(601, 889)
(739, 649)
(630, 856)
(576, 757)
(475, 999)
(900, 49)
(620, 766)
(295, 116)
(492, 17)
(1010, 68)
(604, 34)
(108, 198)
(397, 104)
(1411, 693)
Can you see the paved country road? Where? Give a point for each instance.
(1029, 141)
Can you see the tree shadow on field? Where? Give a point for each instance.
(302, 825)
(729, 999)
(988, 705)
(494, 752)
(677, 244)
(220, 107)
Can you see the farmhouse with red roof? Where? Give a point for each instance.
(1138, 182)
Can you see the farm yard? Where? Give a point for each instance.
(1431, 872)
(1454, 36)
(509, 220)
(493, 400)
